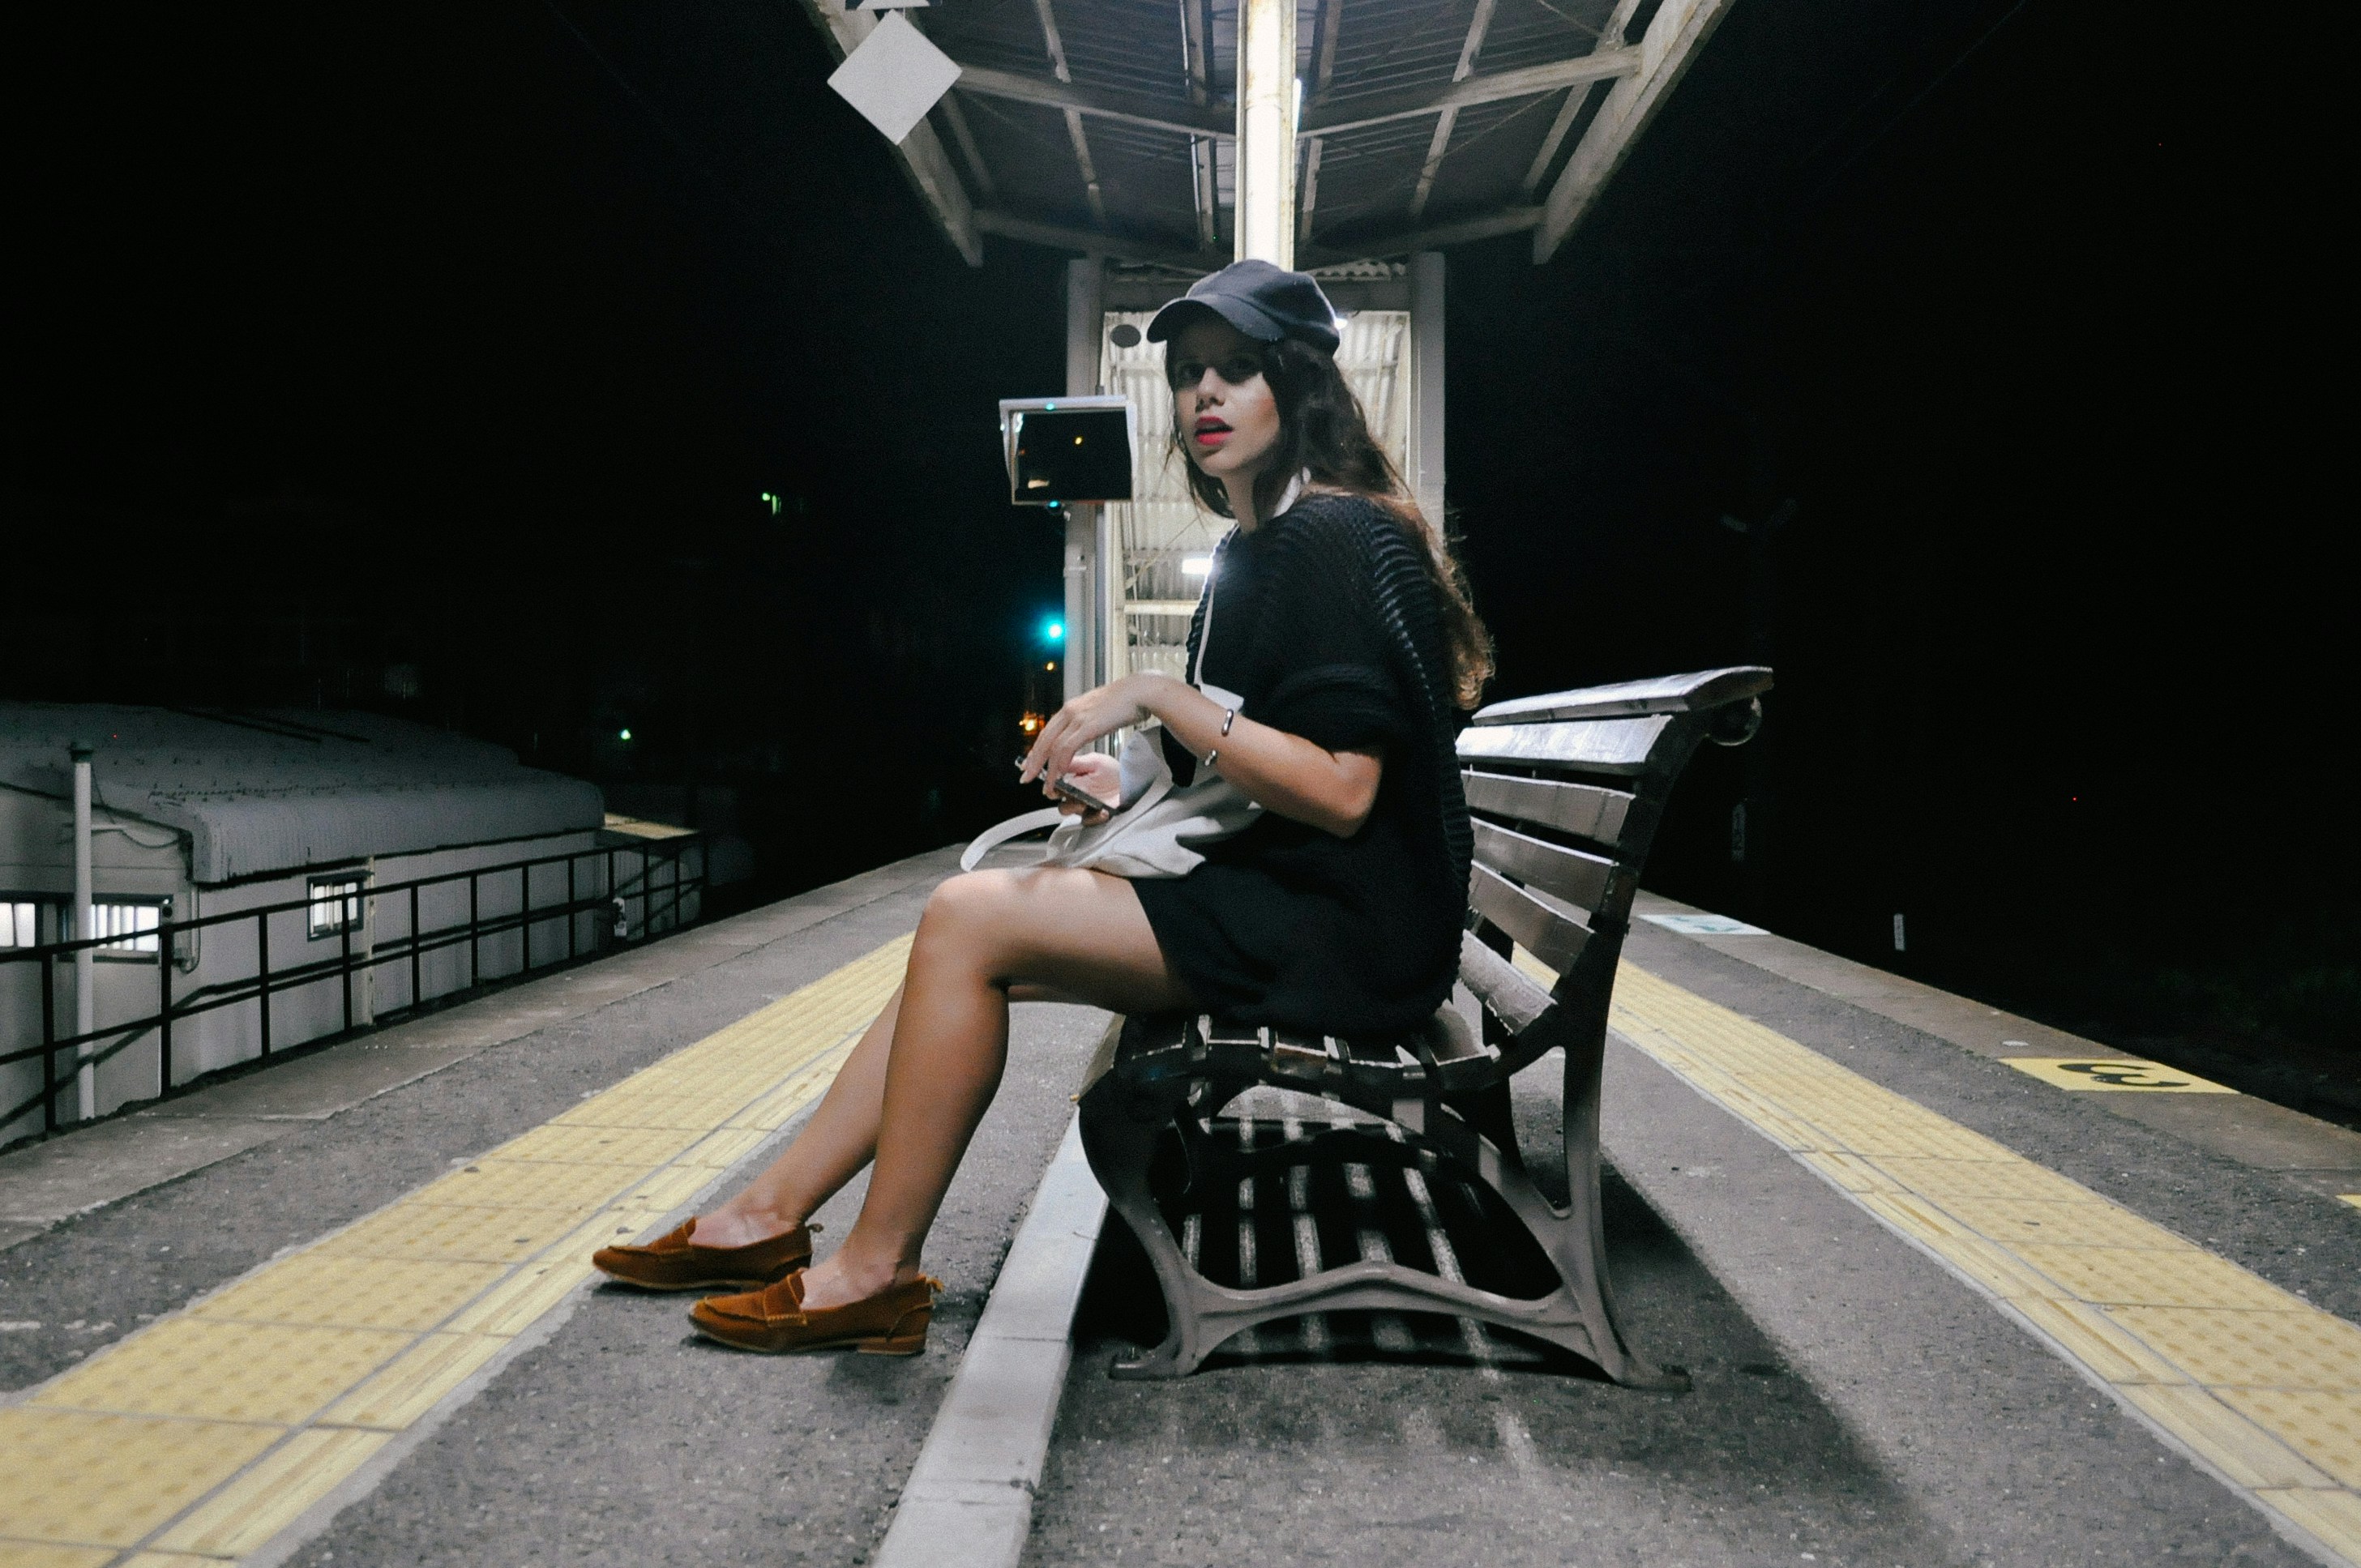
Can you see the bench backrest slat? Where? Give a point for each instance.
(1665, 693)
(1596, 767)
(1542, 931)
(1584, 881)
(1516, 998)
(1587, 811)
(1605, 746)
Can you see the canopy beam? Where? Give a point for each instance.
(924, 162)
(1448, 120)
(1665, 50)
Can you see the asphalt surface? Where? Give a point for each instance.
(620, 1438)
(1853, 1403)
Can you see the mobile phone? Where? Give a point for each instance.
(1069, 790)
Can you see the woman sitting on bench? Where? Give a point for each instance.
(1343, 650)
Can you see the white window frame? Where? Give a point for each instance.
(132, 923)
(335, 906)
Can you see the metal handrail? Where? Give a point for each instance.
(410, 948)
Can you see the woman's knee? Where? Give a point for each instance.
(965, 905)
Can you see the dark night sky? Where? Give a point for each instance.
(357, 336)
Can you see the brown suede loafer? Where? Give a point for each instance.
(673, 1262)
(773, 1320)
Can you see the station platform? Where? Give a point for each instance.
(1951, 1290)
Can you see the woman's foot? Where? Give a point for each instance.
(692, 1257)
(779, 1319)
(844, 1279)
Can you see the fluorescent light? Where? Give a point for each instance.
(1197, 567)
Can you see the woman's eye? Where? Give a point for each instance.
(1238, 372)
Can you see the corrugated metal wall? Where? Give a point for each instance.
(1164, 526)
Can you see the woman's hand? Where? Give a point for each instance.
(1100, 711)
(1094, 773)
(1333, 790)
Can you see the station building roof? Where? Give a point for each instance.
(1107, 126)
(272, 791)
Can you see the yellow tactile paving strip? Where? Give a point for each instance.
(198, 1439)
(2261, 1384)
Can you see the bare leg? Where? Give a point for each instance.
(841, 1138)
(1076, 933)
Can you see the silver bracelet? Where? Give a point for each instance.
(1207, 759)
(1229, 717)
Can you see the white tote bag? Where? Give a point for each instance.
(1161, 824)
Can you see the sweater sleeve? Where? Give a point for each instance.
(1335, 684)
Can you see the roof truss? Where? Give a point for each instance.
(1457, 121)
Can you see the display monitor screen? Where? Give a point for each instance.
(1071, 454)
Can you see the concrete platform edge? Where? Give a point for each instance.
(970, 1498)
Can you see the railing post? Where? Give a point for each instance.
(365, 911)
(344, 967)
(573, 909)
(49, 1043)
(475, 936)
(417, 996)
(262, 974)
(164, 1011)
(524, 914)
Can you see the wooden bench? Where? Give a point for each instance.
(1566, 791)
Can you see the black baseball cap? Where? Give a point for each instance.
(1262, 300)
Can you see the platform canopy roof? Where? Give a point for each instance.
(1108, 126)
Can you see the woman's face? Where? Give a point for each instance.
(1221, 404)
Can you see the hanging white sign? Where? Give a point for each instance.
(893, 76)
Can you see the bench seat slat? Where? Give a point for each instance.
(1581, 880)
(1585, 810)
(1541, 930)
(1605, 746)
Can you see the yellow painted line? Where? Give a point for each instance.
(2352, 1198)
(2260, 1384)
(198, 1439)
(2113, 1075)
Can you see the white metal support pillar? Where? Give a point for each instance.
(1426, 303)
(1267, 109)
(1087, 554)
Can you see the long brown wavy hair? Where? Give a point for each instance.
(1323, 432)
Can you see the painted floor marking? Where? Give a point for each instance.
(1704, 924)
(2113, 1075)
(206, 1433)
(2262, 1386)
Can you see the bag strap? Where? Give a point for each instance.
(991, 838)
(1205, 627)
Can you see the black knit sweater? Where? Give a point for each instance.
(1326, 624)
